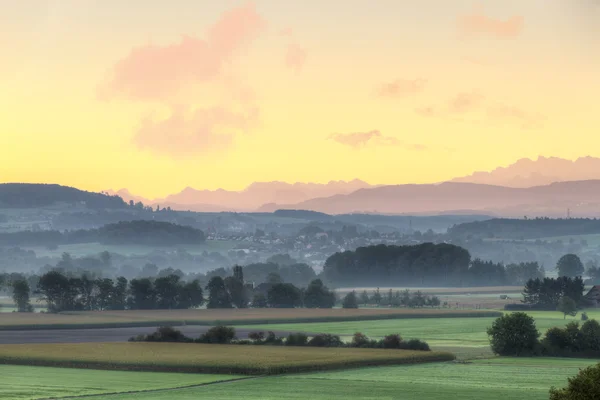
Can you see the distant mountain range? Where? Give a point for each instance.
(581, 198)
(543, 171)
(250, 199)
(525, 173)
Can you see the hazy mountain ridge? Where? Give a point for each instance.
(542, 171)
(579, 197)
(253, 197)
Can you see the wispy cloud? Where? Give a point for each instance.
(153, 72)
(190, 132)
(402, 87)
(295, 57)
(479, 24)
(359, 140)
(465, 101)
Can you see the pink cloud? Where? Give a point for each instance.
(152, 72)
(401, 87)
(359, 140)
(507, 113)
(186, 133)
(478, 23)
(295, 57)
(465, 101)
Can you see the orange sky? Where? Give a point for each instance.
(155, 96)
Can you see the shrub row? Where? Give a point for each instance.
(226, 335)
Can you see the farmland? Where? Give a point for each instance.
(203, 358)
(437, 332)
(23, 382)
(152, 318)
(530, 379)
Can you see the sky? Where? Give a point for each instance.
(156, 96)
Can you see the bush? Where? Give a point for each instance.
(325, 340)
(218, 335)
(163, 334)
(256, 336)
(360, 340)
(391, 342)
(584, 386)
(296, 339)
(415, 344)
(584, 316)
(590, 335)
(273, 339)
(513, 335)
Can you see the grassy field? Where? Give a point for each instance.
(497, 379)
(212, 317)
(438, 332)
(206, 358)
(23, 382)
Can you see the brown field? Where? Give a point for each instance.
(107, 319)
(206, 358)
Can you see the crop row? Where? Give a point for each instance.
(205, 358)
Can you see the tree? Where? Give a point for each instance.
(364, 298)
(21, 296)
(317, 295)
(350, 300)
(167, 290)
(259, 300)
(236, 288)
(190, 295)
(273, 278)
(218, 296)
(284, 295)
(584, 386)
(570, 265)
(513, 335)
(142, 293)
(376, 297)
(567, 306)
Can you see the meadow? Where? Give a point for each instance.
(207, 358)
(496, 379)
(153, 318)
(438, 332)
(24, 382)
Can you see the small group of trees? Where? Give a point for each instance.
(515, 334)
(397, 298)
(547, 293)
(68, 293)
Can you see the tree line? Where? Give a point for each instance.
(421, 265)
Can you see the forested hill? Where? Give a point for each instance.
(24, 195)
(504, 228)
(150, 233)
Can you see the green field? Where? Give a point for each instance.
(23, 382)
(438, 332)
(497, 379)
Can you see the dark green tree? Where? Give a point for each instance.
(317, 295)
(584, 386)
(350, 300)
(570, 265)
(284, 295)
(567, 306)
(218, 295)
(21, 296)
(513, 335)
